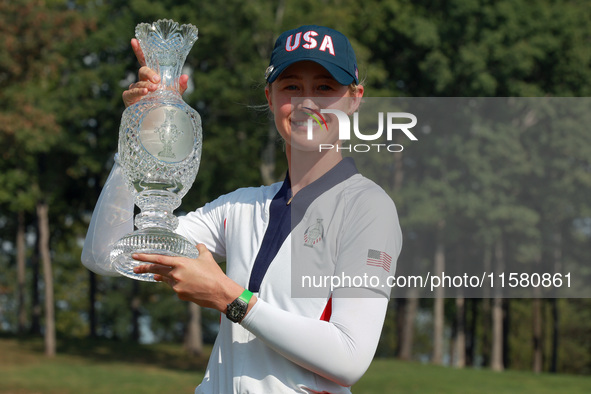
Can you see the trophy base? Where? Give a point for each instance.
(152, 240)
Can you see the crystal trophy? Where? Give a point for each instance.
(159, 150)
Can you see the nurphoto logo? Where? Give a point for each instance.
(392, 121)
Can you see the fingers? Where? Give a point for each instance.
(133, 95)
(149, 80)
(161, 266)
(147, 74)
(160, 278)
(183, 82)
(139, 54)
(167, 261)
(157, 270)
(161, 272)
(202, 249)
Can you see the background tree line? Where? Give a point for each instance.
(498, 197)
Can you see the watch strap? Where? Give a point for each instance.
(246, 296)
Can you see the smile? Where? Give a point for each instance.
(305, 125)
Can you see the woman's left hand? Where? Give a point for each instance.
(200, 280)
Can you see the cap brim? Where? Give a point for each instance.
(339, 74)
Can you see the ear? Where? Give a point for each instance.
(268, 96)
(356, 99)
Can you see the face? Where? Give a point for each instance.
(317, 89)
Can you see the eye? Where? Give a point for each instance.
(325, 88)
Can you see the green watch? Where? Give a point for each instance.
(237, 309)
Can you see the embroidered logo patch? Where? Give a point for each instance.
(314, 234)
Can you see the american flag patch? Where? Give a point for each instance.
(375, 258)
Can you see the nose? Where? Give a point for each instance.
(308, 102)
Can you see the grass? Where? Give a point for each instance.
(97, 367)
(393, 376)
(102, 366)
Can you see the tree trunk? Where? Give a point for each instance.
(35, 328)
(136, 303)
(20, 273)
(486, 336)
(555, 333)
(438, 328)
(406, 317)
(91, 304)
(471, 333)
(460, 321)
(496, 362)
(43, 218)
(194, 334)
(506, 328)
(537, 335)
(460, 341)
(398, 168)
(554, 302)
(399, 318)
(408, 328)
(267, 166)
(438, 306)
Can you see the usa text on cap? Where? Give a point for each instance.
(323, 45)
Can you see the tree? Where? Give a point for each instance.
(29, 70)
(476, 48)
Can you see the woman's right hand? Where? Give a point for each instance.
(148, 79)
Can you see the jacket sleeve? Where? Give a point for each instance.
(112, 218)
(340, 350)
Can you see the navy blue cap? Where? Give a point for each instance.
(323, 45)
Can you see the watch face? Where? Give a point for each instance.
(236, 310)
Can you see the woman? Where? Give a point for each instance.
(283, 334)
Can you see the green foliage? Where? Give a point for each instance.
(479, 48)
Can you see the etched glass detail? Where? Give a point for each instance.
(163, 134)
